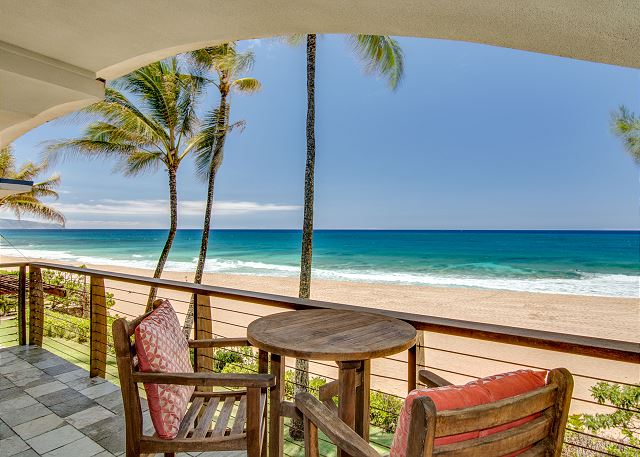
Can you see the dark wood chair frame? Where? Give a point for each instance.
(195, 436)
(545, 434)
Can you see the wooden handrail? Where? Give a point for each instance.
(623, 351)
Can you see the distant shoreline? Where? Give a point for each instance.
(583, 263)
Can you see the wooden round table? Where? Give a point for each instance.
(350, 338)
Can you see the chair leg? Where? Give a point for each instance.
(169, 454)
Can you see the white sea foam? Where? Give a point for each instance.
(595, 284)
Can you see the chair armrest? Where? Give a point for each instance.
(219, 343)
(430, 379)
(336, 430)
(207, 379)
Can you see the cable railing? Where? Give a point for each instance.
(78, 327)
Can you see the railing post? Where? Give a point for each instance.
(421, 353)
(416, 361)
(203, 331)
(22, 306)
(98, 328)
(36, 306)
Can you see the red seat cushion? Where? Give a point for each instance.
(481, 391)
(162, 348)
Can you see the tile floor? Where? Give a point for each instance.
(51, 407)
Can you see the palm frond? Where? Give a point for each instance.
(141, 162)
(247, 85)
(7, 161)
(626, 126)
(24, 204)
(295, 39)
(381, 54)
(204, 144)
(46, 188)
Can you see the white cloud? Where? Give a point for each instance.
(161, 207)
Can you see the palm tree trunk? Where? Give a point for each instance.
(216, 161)
(296, 430)
(173, 226)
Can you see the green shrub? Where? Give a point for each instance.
(66, 326)
(622, 423)
(223, 357)
(385, 410)
(73, 328)
(237, 360)
(289, 386)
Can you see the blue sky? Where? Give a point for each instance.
(475, 137)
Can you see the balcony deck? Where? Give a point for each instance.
(51, 407)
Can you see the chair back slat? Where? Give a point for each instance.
(501, 443)
(454, 422)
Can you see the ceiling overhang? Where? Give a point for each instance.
(14, 186)
(52, 52)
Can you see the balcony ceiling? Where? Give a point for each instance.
(51, 52)
(14, 186)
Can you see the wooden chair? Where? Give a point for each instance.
(544, 434)
(198, 432)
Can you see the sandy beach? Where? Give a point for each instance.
(458, 359)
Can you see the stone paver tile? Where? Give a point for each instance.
(85, 382)
(77, 403)
(59, 396)
(5, 431)
(7, 357)
(5, 383)
(11, 393)
(113, 426)
(113, 444)
(47, 363)
(104, 454)
(71, 375)
(61, 368)
(38, 426)
(54, 439)
(84, 447)
(22, 378)
(26, 414)
(111, 401)
(13, 366)
(42, 379)
(99, 390)
(89, 416)
(43, 389)
(16, 403)
(28, 453)
(12, 446)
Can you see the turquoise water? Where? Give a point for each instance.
(574, 262)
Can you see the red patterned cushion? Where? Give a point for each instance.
(162, 348)
(481, 391)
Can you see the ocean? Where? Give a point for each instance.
(599, 263)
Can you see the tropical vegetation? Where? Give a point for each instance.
(626, 125)
(30, 203)
(146, 122)
(227, 65)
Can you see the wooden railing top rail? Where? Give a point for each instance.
(624, 351)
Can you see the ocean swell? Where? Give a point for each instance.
(578, 283)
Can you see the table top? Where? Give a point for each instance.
(327, 334)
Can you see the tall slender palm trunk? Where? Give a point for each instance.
(216, 161)
(173, 226)
(302, 366)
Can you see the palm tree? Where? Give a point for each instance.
(626, 125)
(382, 55)
(29, 203)
(226, 64)
(153, 129)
